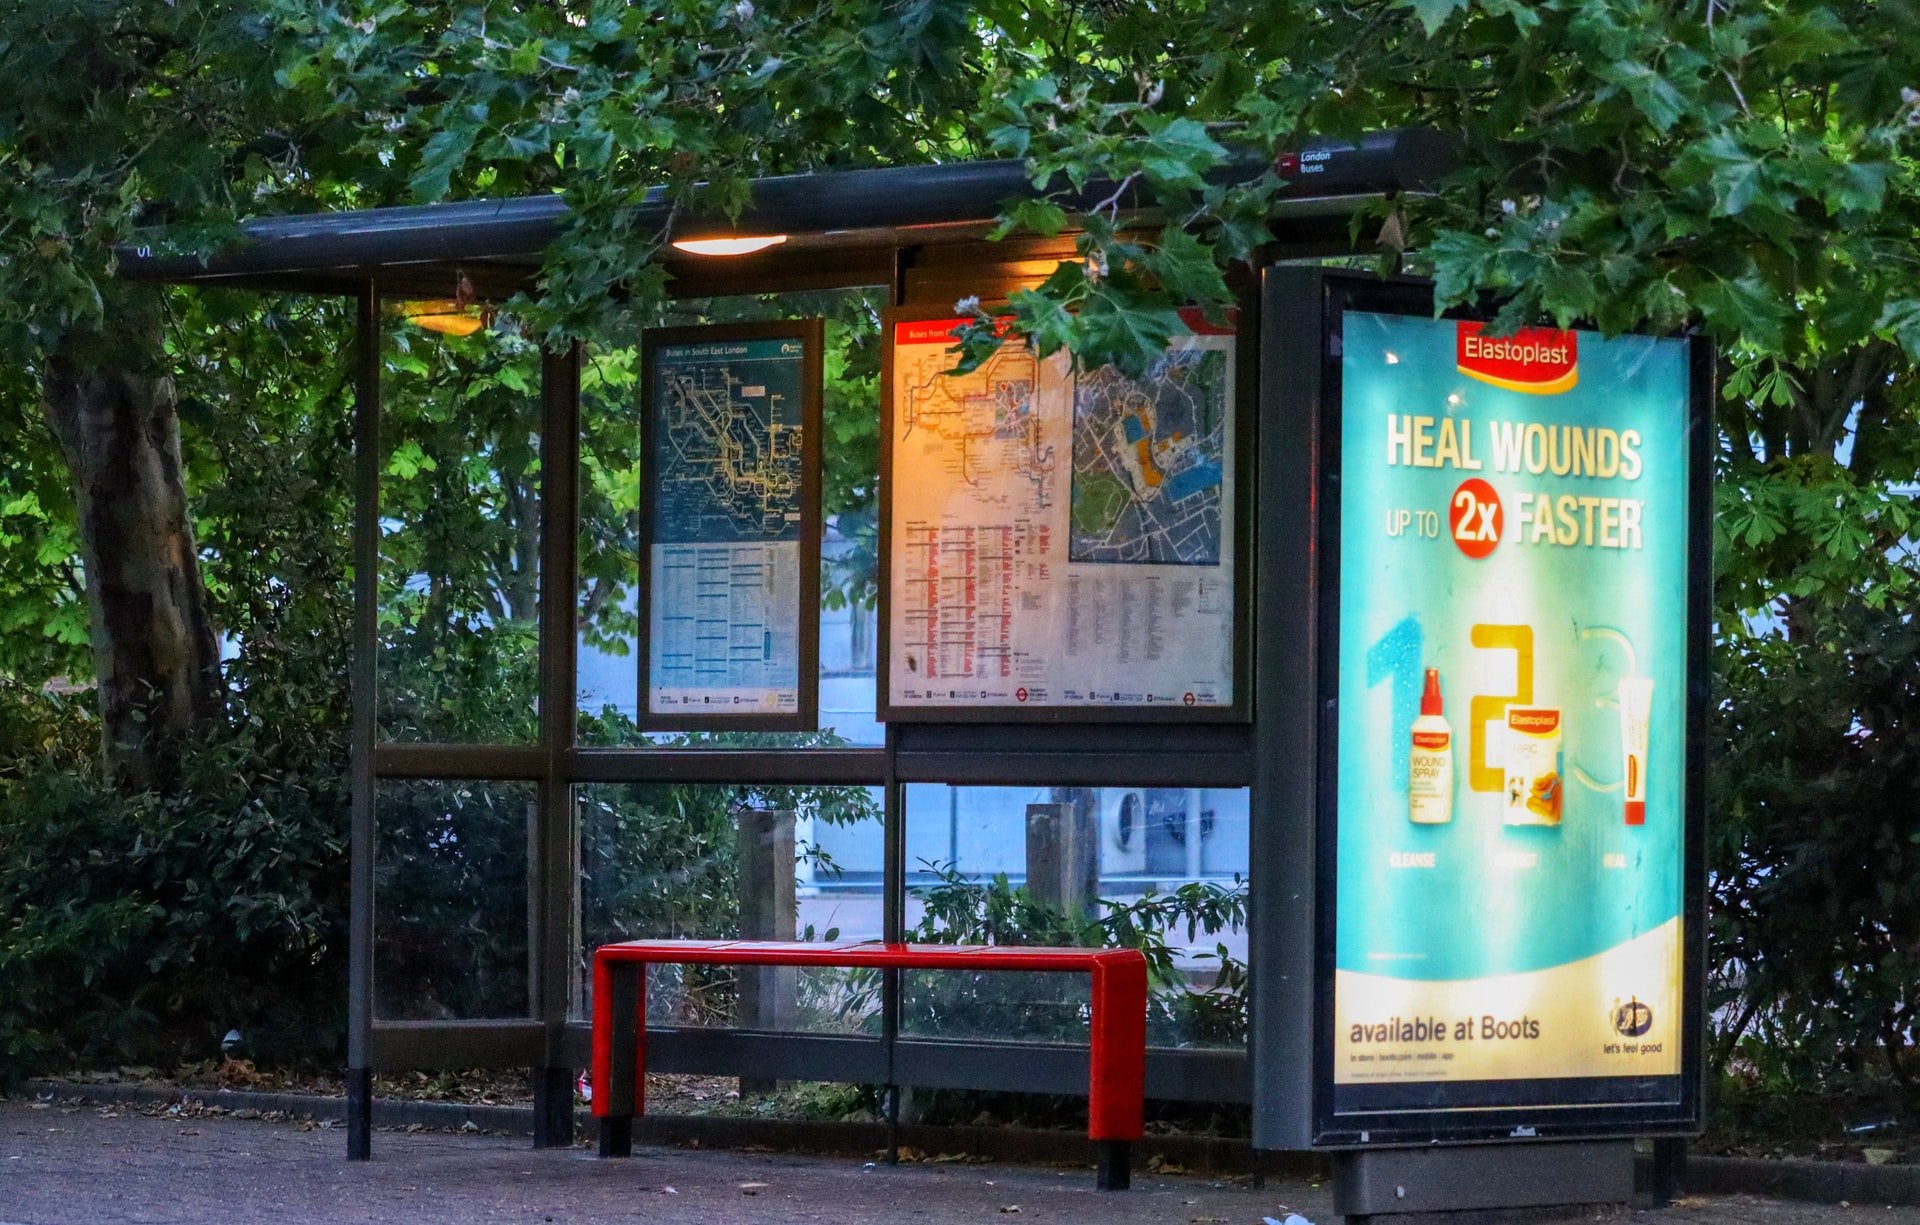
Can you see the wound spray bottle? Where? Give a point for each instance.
(1430, 786)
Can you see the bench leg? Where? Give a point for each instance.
(1117, 1076)
(622, 1056)
(616, 1137)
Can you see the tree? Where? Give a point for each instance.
(155, 656)
(1744, 169)
(121, 115)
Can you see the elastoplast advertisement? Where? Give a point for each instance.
(1510, 754)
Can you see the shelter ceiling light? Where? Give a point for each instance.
(740, 244)
(447, 316)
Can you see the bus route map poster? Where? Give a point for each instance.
(730, 516)
(1059, 539)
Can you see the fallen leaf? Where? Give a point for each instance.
(1010, 1208)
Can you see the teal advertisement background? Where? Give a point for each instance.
(1408, 602)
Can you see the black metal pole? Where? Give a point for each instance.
(1283, 868)
(893, 929)
(1668, 1175)
(366, 589)
(554, 908)
(894, 909)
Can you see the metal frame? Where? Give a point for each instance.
(1297, 1005)
(1239, 710)
(366, 629)
(811, 333)
(553, 1041)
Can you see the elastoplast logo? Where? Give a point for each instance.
(1538, 361)
(1533, 722)
(1632, 1019)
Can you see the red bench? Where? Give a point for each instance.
(1119, 1021)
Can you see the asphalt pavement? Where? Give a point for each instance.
(62, 1164)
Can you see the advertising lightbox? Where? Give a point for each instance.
(1511, 616)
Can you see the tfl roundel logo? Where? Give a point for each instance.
(1632, 1018)
(1539, 361)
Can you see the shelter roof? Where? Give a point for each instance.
(832, 218)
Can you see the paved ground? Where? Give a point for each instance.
(61, 1164)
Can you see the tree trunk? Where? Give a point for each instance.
(154, 650)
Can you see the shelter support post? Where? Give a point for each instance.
(552, 1107)
(366, 563)
(359, 1114)
(554, 905)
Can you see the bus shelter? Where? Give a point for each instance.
(1107, 661)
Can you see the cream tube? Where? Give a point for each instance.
(1636, 704)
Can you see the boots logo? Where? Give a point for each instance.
(1632, 1018)
(1538, 361)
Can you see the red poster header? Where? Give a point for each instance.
(928, 331)
(1539, 361)
(941, 331)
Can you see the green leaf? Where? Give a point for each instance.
(1119, 327)
(1901, 320)
(1036, 214)
(1178, 153)
(1744, 307)
(443, 155)
(1523, 13)
(1847, 317)
(1860, 187)
(1185, 268)
(525, 60)
(1653, 95)
(1434, 13)
(1735, 183)
(408, 461)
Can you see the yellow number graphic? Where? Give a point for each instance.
(1489, 708)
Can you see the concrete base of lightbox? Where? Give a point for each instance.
(1376, 1186)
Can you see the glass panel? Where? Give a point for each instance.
(450, 900)
(668, 861)
(1158, 868)
(609, 678)
(460, 534)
